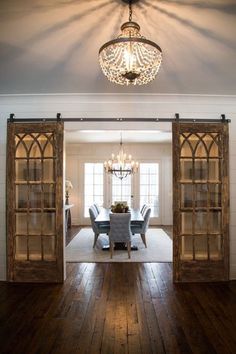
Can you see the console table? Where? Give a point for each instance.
(68, 216)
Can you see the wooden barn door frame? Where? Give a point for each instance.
(197, 269)
(25, 266)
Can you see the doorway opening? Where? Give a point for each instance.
(86, 149)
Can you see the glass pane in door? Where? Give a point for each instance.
(186, 248)
(21, 196)
(201, 247)
(93, 185)
(214, 195)
(149, 187)
(186, 170)
(21, 248)
(35, 196)
(121, 190)
(216, 246)
(21, 170)
(186, 196)
(201, 195)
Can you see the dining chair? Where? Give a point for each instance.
(101, 229)
(120, 230)
(97, 207)
(96, 212)
(142, 228)
(144, 207)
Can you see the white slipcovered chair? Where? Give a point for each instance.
(101, 229)
(142, 228)
(120, 230)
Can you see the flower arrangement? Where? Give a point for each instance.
(120, 208)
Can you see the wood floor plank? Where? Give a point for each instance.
(144, 336)
(168, 335)
(109, 308)
(133, 333)
(196, 339)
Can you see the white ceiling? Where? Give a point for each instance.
(51, 46)
(113, 136)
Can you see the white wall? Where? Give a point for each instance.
(116, 106)
(77, 154)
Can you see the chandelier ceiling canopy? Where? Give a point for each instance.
(122, 165)
(130, 58)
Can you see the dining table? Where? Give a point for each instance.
(103, 218)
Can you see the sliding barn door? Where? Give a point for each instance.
(200, 202)
(35, 202)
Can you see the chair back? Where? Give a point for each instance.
(94, 210)
(144, 207)
(120, 227)
(93, 215)
(146, 218)
(97, 207)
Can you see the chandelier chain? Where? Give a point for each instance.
(130, 11)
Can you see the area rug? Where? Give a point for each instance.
(159, 248)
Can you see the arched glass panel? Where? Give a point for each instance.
(214, 150)
(48, 149)
(42, 139)
(193, 140)
(200, 149)
(36, 150)
(28, 141)
(186, 149)
(21, 149)
(208, 140)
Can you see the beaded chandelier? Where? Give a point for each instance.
(130, 58)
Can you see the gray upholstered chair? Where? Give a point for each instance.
(96, 212)
(142, 229)
(101, 229)
(120, 230)
(97, 207)
(144, 207)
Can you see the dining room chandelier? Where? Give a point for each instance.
(130, 59)
(122, 165)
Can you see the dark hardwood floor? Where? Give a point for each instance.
(118, 308)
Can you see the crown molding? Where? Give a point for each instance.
(120, 97)
(111, 95)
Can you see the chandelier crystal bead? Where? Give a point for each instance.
(130, 58)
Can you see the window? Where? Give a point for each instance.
(121, 189)
(93, 185)
(149, 186)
